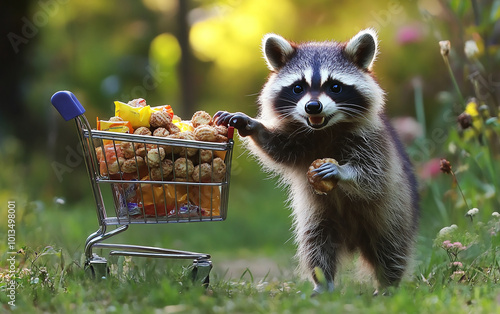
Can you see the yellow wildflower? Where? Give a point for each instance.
(477, 122)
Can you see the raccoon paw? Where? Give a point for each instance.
(327, 171)
(240, 121)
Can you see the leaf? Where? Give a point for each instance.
(460, 7)
(492, 121)
(495, 11)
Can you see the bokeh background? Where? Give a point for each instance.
(197, 55)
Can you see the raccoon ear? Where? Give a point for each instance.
(277, 51)
(362, 49)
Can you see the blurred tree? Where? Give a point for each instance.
(12, 54)
(189, 54)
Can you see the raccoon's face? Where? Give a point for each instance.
(321, 84)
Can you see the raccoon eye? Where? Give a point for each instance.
(336, 88)
(297, 89)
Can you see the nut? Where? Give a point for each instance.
(206, 155)
(188, 151)
(130, 165)
(201, 118)
(99, 154)
(172, 128)
(128, 149)
(159, 119)
(218, 170)
(141, 151)
(221, 138)
(140, 161)
(116, 166)
(221, 129)
(183, 168)
(179, 149)
(142, 131)
(202, 173)
(115, 119)
(162, 132)
(151, 146)
(163, 172)
(205, 133)
(155, 156)
(321, 186)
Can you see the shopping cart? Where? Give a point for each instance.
(154, 185)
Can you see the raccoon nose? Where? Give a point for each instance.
(313, 107)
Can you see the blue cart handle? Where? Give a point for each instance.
(67, 104)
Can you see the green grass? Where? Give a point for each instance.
(256, 228)
(252, 252)
(151, 285)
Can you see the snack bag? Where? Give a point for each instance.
(184, 126)
(114, 126)
(206, 197)
(126, 199)
(137, 116)
(109, 158)
(164, 197)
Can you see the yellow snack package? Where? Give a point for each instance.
(165, 108)
(183, 125)
(114, 126)
(137, 116)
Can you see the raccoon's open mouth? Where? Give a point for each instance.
(317, 122)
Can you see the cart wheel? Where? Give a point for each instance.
(97, 267)
(201, 272)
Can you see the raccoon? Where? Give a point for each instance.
(322, 100)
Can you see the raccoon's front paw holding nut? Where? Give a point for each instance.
(240, 121)
(323, 175)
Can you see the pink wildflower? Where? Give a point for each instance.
(459, 246)
(430, 169)
(458, 274)
(409, 34)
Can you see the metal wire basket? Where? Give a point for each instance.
(153, 180)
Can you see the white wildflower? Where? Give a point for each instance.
(471, 49)
(472, 212)
(447, 230)
(445, 47)
(495, 214)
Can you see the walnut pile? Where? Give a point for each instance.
(170, 162)
(320, 186)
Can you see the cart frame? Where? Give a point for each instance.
(70, 109)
